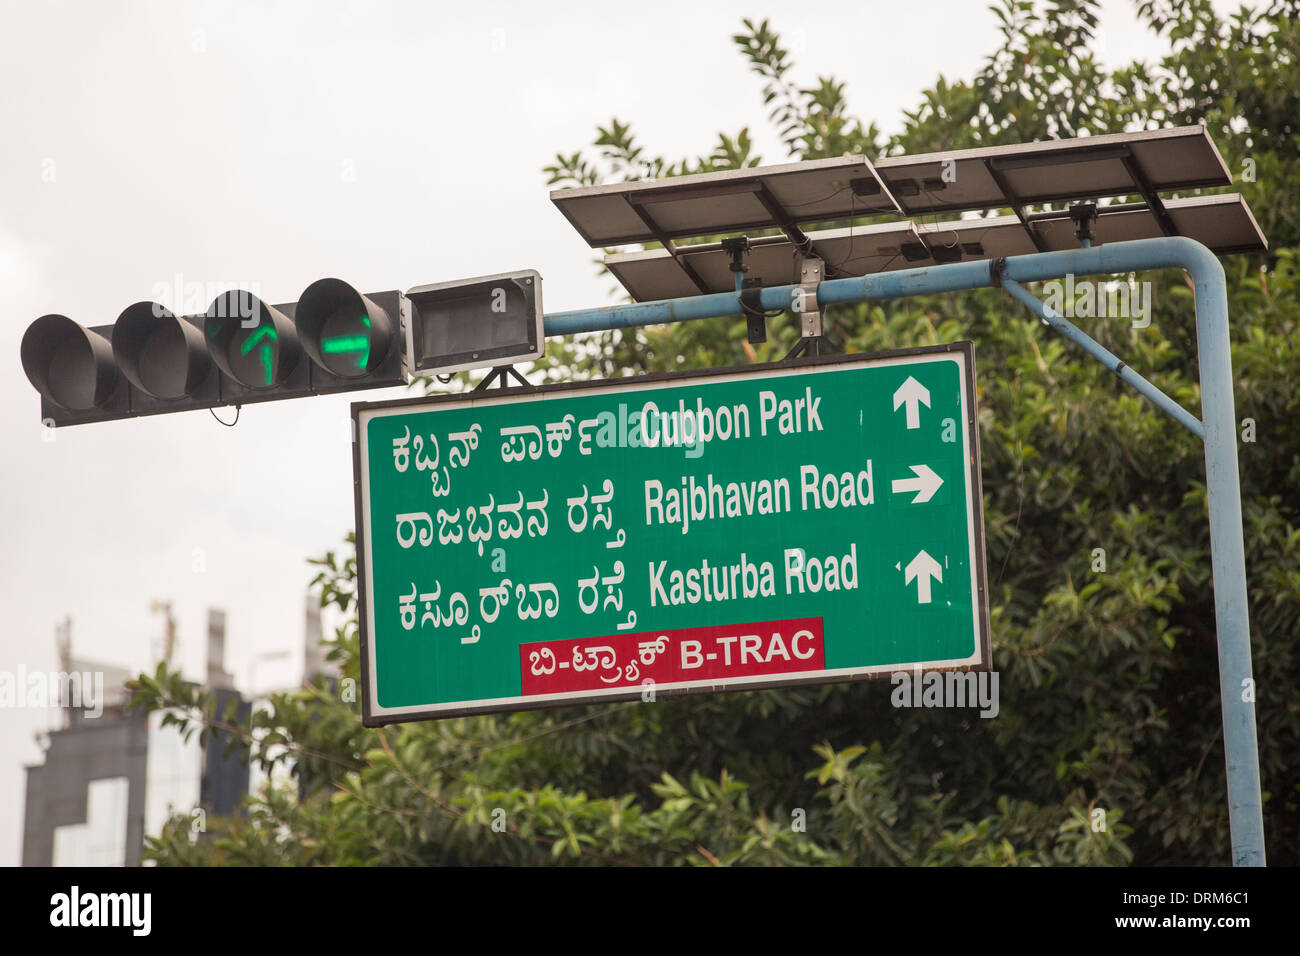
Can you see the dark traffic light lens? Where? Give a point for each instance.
(342, 330)
(72, 375)
(162, 362)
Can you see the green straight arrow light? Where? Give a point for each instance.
(263, 332)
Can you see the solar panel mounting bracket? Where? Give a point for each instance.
(639, 207)
(1148, 193)
(786, 223)
(1084, 215)
(995, 167)
(738, 248)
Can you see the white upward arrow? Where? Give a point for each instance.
(913, 393)
(925, 484)
(923, 567)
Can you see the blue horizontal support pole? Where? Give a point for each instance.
(1094, 348)
(662, 311)
(1218, 430)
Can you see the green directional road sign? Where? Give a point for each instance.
(755, 527)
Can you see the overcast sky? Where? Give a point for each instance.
(272, 143)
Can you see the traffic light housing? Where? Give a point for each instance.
(74, 370)
(242, 350)
(346, 333)
(255, 345)
(163, 357)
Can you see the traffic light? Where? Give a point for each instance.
(163, 356)
(73, 369)
(243, 350)
(254, 344)
(345, 333)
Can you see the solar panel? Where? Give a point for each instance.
(787, 197)
(656, 274)
(977, 239)
(761, 197)
(1223, 223)
(1121, 164)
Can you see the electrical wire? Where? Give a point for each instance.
(230, 424)
(814, 202)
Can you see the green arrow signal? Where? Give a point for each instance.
(343, 344)
(263, 332)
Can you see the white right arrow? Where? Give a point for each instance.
(923, 567)
(913, 393)
(925, 484)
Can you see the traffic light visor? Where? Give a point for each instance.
(160, 354)
(344, 332)
(69, 365)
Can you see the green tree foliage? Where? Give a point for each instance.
(1109, 679)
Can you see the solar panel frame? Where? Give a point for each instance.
(1141, 163)
(1187, 149)
(629, 205)
(1223, 223)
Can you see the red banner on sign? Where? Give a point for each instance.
(718, 654)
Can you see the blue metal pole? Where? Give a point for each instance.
(1218, 414)
(1105, 357)
(1223, 493)
(1228, 557)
